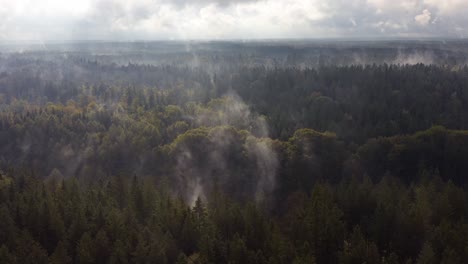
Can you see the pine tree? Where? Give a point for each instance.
(102, 247)
(450, 257)
(119, 254)
(238, 252)
(182, 259)
(427, 255)
(28, 251)
(60, 255)
(6, 256)
(85, 251)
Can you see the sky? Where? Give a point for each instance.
(126, 20)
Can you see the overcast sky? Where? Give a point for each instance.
(230, 19)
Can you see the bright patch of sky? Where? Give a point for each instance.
(230, 19)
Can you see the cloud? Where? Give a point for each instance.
(223, 3)
(230, 19)
(447, 7)
(424, 18)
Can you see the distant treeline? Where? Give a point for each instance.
(355, 102)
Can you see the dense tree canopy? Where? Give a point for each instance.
(108, 163)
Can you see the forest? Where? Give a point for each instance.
(216, 155)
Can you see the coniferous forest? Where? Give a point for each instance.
(234, 153)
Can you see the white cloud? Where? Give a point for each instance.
(423, 18)
(231, 19)
(448, 7)
(394, 5)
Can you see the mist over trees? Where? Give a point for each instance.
(234, 153)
